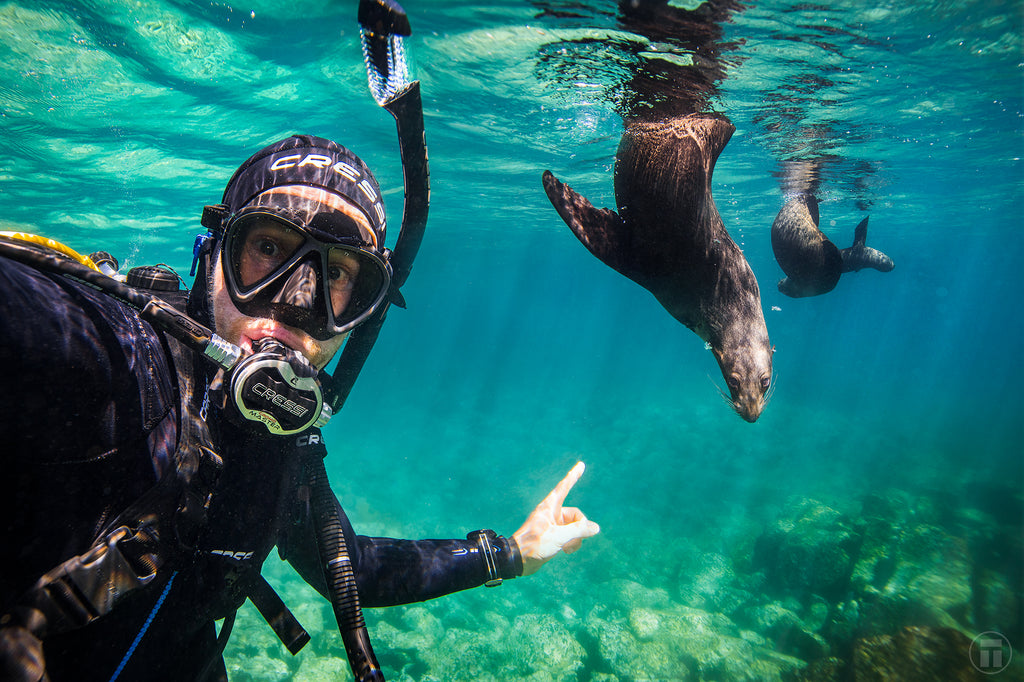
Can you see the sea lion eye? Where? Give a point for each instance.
(734, 382)
(765, 383)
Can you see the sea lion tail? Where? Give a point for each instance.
(601, 230)
(860, 255)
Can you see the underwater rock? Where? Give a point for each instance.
(631, 592)
(620, 649)
(316, 617)
(543, 649)
(926, 581)
(994, 532)
(823, 670)
(322, 669)
(710, 583)
(808, 550)
(424, 625)
(465, 654)
(681, 643)
(259, 667)
(453, 641)
(933, 566)
(893, 506)
(876, 559)
(787, 632)
(406, 639)
(817, 615)
(915, 654)
(997, 605)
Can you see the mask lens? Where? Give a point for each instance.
(356, 283)
(261, 248)
(277, 270)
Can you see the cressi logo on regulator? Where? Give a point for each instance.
(282, 401)
(278, 388)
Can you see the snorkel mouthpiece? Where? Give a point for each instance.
(278, 388)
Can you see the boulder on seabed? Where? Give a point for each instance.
(915, 654)
(709, 582)
(908, 572)
(912, 654)
(656, 639)
(788, 633)
(542, 648)
(808, 550)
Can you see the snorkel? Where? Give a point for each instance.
(382, 26)
(382, 23)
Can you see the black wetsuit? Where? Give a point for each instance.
(89, 418)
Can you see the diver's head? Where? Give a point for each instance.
(300, 252)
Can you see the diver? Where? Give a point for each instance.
(144, 485)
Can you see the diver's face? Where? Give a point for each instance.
(243, 330)
(267, 245)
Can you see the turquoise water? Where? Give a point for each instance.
(892, 447)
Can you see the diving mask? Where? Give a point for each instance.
(315, 272)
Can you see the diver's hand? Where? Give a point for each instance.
(552, 528)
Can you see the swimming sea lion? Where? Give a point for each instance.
(812, 263)
(669, 238)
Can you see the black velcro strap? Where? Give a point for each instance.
(270, 606)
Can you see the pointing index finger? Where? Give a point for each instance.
(561, 490)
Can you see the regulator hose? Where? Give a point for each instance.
(340, 578)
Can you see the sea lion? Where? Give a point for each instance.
(669, 238)
(812, 263)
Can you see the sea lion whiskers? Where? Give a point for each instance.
(734, 405)
(725, 396)
(770, 393)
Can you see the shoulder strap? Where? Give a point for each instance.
(197, 464)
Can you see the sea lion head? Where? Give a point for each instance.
(747, 370)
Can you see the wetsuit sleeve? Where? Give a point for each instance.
(390, 571)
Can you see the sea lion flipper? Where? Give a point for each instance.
(601, 230)
(860, 255)
(860, 233)
(812, 208)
